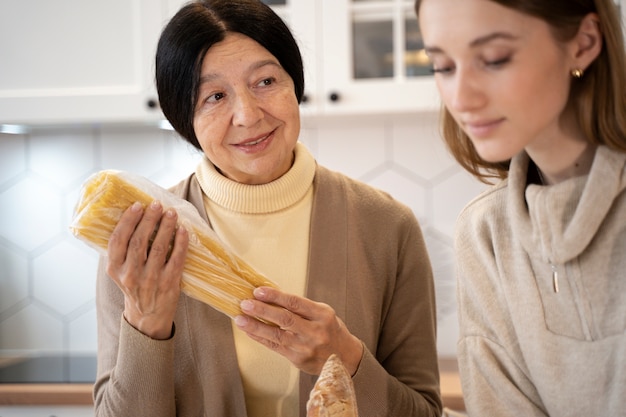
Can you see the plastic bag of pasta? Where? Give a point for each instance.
(211, 274)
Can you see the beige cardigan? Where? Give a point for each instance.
(368, 261)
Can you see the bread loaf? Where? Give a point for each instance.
(212, 273)
(333, 394)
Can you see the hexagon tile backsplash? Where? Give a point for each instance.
(47, 277)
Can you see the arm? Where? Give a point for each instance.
(404, 368)
(135, 370)
(404, 365)
(491, 365)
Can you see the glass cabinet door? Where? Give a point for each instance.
(386, 40)
(373, 58)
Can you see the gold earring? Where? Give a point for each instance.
(577, 73)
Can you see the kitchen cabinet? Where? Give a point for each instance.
(360, 56)
(372, 58)
(69, 61)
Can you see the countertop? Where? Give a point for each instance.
(81, 394)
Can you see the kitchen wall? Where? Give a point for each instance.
(47, 277)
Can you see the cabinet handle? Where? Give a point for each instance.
(152, 103)
(334, 97)
(305, 98)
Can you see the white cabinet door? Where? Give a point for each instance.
(67, 61)
(373, 59)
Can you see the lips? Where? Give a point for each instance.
(482, 128)
(255, 145)
(256, 140)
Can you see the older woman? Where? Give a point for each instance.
(351, 262)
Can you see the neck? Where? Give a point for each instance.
(568, 162)
(564, 152)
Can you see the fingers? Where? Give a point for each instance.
(147, 254)
(301, 306)
(305, 332)
(178, 255)
(147, 238)
(161, 245)
(140, 241)
(291, 327)
(271, 306)
(118, 241)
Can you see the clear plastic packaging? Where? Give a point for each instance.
(212, 273)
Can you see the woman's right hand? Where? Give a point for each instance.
(148, 267)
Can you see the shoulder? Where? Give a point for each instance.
(486, 203)
(357, 195)
(483, 215)
(189, 189)
(181, 189)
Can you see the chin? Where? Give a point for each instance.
(495, 155)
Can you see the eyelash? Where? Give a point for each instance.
(492, 64)
(219, 96)
(439, 70)
(499, 62)
(216, 96)
(267, 81)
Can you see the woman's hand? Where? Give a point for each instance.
(306, 332)
(146, 254)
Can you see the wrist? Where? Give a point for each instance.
(354, 356)
(154, 329)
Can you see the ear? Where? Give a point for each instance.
(587, 44)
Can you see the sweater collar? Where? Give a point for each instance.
(259, 199)
(558, 222)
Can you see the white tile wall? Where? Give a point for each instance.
(47, 276)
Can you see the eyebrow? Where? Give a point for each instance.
(260, 64)
(476, 42)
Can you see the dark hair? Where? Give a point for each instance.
(598, 97)
(193, 30)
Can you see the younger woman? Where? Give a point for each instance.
(534, 94)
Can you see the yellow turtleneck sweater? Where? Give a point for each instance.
(268, 226)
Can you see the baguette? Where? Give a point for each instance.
(333, 394)
(211, 274)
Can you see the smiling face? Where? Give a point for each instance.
(501, 74)
(247, 118)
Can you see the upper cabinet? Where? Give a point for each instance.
(361, 56)
(372, 58)
(72, 61)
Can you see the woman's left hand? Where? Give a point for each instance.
(306, 332)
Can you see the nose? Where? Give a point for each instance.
(246, 109)
(467, 92)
